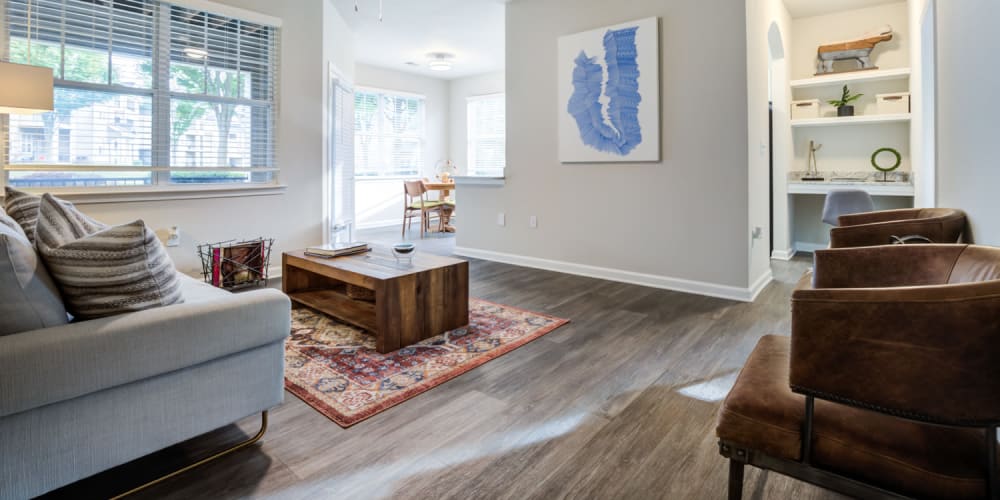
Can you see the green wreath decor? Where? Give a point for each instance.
(899, 159)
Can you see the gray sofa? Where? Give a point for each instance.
(79, 398)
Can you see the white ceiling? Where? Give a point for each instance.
(807, 8)
(472, 30)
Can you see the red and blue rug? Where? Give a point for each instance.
(335, 368)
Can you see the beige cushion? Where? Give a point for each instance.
(103, 271)
(29, 299)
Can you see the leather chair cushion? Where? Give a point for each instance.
(762, 413)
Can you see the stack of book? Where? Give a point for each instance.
(338, 249)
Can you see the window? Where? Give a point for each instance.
(487, 129)
(146, 93)
(388, 134)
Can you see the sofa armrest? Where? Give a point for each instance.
(885, 266)
(54, 364)
(926, 353)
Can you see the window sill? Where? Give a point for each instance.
(478, 180)
(84, 196)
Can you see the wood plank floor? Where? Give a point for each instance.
(620, 403)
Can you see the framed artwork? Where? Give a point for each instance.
(609, 94)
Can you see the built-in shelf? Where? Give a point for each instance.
(838, 121)
(873, 75)
(873, 188)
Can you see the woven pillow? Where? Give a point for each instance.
(103, 271)
(23, 208)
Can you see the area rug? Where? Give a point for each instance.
(335, 368)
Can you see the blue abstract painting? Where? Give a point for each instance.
(609, 94)
(613, 128)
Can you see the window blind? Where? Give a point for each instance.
(487, 135)
(389, 133)
(147, 93)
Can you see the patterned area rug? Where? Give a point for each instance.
(335, 368)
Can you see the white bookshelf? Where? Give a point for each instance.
(840, 79)
(841, 121)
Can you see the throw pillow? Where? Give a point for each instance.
(103, 271)
(9, 221)
(29, 299)
(23, 208)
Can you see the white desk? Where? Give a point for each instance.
(873, 188)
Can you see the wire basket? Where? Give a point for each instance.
(236, 264)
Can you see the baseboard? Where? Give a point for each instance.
(801, 246)
(783, 254)
(761, 283)
(622, 276)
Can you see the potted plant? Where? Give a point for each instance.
(843, 105)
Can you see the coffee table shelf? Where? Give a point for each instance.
(337, 304)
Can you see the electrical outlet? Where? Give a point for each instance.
(174, 237)
(501, 219)
(533, 221)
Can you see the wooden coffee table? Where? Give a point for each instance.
(412, 302)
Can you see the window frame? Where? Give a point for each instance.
(472, 138)
(161, 96)
(381, 93)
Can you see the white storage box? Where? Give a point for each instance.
(805, 109)
(892, 104)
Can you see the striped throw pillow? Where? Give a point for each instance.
(23, 208)
(103, 271)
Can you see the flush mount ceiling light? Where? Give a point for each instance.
(26, 89)
(439, 61)
(195, 53)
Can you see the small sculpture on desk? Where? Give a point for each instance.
(859, 50)
(885, 170)
(812, 170)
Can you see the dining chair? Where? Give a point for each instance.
(416, 203)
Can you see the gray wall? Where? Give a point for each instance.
(684, 217)
(968, 107)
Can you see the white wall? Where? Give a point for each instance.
(768, 51)
(811, 32)
(967, 110)
(678, 223)
(380, 202)
(294, 218)
(460, 90)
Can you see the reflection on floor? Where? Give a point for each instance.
(620, 403)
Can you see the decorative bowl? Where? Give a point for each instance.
(403, 249)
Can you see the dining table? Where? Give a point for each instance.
(445, 189)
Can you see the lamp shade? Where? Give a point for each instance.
(25, 89)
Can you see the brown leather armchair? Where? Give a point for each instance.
(938, 225)
(890, 383)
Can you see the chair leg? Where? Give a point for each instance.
(735, 480)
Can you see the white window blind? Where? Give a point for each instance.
(388, 134)
(147, 93)
(487, 135)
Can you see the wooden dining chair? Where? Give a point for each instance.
(416, 203)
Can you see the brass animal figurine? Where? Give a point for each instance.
(859, 50)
